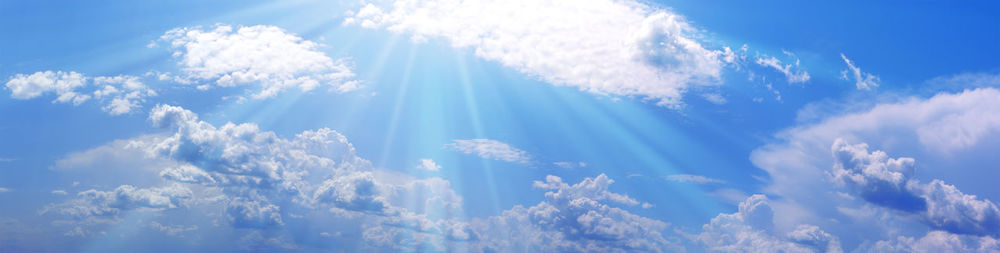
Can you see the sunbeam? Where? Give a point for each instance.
(499, 126)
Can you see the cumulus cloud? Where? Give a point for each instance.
(751, 229)
(266, 56)
(258, 169)
(863, 80)
(689, 178)
(876, 177)
(573, 218)
(256, 180)
(107, 205)
(490, 149)
(848, 187)
(428, 165)
(940, 125)
(888, 182)
(938, 241)
(121, 94)
(601, 46)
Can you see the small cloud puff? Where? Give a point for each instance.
(428, 165)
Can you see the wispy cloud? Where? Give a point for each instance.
(490, 149)
(791, 71)
(570, 165)
(864, 81)
(690, 178)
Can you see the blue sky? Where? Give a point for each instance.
(499, 126)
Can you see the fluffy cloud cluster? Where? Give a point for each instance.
(863, 80)
(888, 182)
(951, 133)
(257, 169)
(600, 46)
(573, 218)
(255, 179)
(121, 94)
(260, 55)
(940, 125)
(938, 241)
(876, 177)
(751, 229)
(490, 149)
(95, 204)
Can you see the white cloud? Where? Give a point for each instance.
(876, 177)
(751, 229)
(95, 204)
(714, 98)
(689, 178)
(428, 165)
(62, 83)
(601, 46)
(2, 190)
(864, 81)
(259, 55)
(570, 165)
(573, 218)
(59, 192)
(938, 241)
(254, 179)
(938, 126)
(793, 72)
(172, 230)
(854, 189)
(122, 94)
(490, 149)
(888, 182)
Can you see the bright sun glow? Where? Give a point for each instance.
(499, 126)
